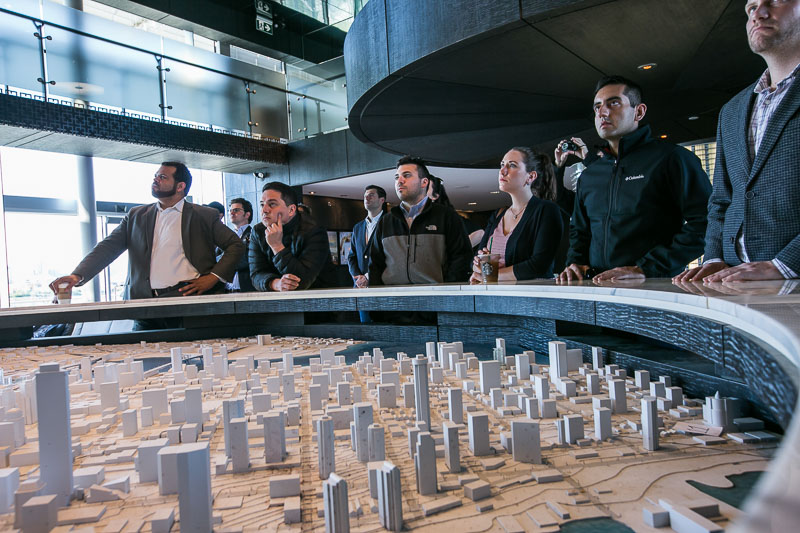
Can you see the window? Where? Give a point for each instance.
(40, 248)
(42, 245)
(40, 174)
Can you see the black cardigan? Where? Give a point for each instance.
(533, 244)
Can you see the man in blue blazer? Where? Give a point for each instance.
(753, 214)
(358, 259)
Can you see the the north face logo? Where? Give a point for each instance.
(431, 227)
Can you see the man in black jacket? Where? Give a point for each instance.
(419, 241)
(288, 250)
(640, 209)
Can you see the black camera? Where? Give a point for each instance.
(569, 146)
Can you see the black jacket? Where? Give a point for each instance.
(434, 250)
(647, 208)
(306, 255)
(532, 245)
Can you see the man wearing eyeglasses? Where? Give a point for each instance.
(171, 244)
(241, 213)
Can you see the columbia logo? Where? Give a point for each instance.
(631, 178)
(431, 227)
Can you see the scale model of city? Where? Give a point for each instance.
(441, 441)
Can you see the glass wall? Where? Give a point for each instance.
(316, 105)
(118, 68)
(42, 245)
(337, 13)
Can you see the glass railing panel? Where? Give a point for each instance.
(201, 96)
(99, 72)
(317, 105)
(268, 107)
(20, 63)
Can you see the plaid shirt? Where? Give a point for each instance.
(767, 102)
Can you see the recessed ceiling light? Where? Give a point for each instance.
(694, 117)
(494, 192)
(472, 203)
(311, 192)
(647, 66)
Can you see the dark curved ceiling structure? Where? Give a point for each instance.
(459, 82)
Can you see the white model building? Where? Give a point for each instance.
(390, 497)
(337, 513)
(55, 432)
(325, 446)
(649, 423)
(421, 398)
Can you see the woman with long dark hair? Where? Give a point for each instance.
(526, 234)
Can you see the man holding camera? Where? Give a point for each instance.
(640, 207)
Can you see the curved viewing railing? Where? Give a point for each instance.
(763, 314)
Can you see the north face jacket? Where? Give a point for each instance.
(435, 249)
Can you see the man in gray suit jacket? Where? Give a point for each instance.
(170, 244)
(753, 222)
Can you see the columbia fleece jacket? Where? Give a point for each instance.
(647, 208)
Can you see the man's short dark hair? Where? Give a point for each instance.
(381, 193)
(632, 89)
(288, 195)
(218, 206)
(246, 206)
(182, 174)
(422, 170)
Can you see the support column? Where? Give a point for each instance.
(87, 216)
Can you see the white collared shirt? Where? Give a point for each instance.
(371, 224)
(168, 262)
(411, 213)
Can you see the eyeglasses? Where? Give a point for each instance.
(236, 210)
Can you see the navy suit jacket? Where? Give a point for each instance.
(760, 197)
(358, 258)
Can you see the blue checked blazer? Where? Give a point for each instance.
(761, 197)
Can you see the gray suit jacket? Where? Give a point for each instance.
(202, 232)
(761, 197)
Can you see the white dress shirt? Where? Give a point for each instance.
(371, 224)
(168, 262)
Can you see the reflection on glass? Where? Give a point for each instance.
(94, 71)
(198, 95)
(268, 107)
(19, 53)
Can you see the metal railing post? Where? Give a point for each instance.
(39, 34)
